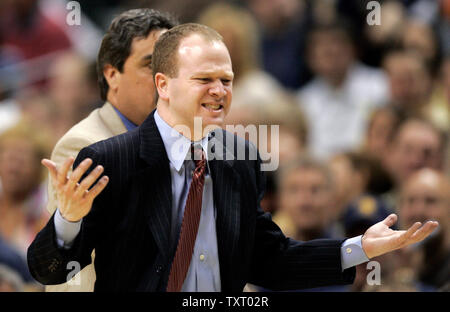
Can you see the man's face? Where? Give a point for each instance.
(379, 132)
(203, 87)
(330, 55)
(408, 79)
(19, 167)
(305, 196)
(136, 89)
(425, 196)
(416, 146)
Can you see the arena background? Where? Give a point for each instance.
(360, 91)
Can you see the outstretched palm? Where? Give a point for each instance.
(380, 239)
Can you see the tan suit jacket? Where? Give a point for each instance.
(101, 124)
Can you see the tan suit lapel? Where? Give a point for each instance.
(111, 119)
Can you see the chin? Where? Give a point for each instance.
(208, 121)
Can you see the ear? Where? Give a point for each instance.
(112, 76)
(162, 85)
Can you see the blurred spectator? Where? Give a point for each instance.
(446, 77)
(337, 102)
(383, 123)
(40, 110)
(10, 280)
(24, 27)
(10, 258)
(420, 37)
(438, 109)
(22, 196)
(289, 141)
(362, 213)
(359, 180)
(11, 76)
(305, 195)
(85, 37)
(426, 196)
(382, 37)
(443, 26)
(101, 12)
(409, 81)
(72, 87)
(282, 24)
(416, 144)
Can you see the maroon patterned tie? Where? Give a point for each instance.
(189, 225)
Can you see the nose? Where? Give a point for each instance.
(217, 90)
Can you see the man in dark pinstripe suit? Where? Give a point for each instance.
(134, 223)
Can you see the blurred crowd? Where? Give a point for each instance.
(363, 113)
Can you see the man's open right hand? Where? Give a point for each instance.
(74, 197)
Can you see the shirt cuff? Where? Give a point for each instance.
(352, 252)
(66, 231)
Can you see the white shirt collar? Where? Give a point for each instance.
(177, 146)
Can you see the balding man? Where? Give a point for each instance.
(426, 196)
(416, 144)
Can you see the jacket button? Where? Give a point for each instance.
(159, 269)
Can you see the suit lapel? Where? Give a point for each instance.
(111, 119)
(226, 185)
(156, 185)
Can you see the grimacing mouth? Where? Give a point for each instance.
(212, 106)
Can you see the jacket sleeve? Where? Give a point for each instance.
(52, 265)
(281, 263)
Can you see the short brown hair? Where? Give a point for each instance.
(165, 58)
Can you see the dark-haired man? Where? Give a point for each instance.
(167, 222)
(127, 87)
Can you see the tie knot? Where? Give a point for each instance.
(198, 155)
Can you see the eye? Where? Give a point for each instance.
(204, 80)
(226, 81)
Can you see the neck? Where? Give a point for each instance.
(192, 132)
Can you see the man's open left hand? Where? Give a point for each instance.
(380, 239)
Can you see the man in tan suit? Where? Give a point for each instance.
(127, 87)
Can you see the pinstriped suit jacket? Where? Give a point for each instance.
(129, 224)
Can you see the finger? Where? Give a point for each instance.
(62, 173)
(76, 175)
(407, 234)
(423, 232)
(390, 220)
(88, 181)
(51, 166)
(98, 188)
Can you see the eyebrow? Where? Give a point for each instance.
(206, 73)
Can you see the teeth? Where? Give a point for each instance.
(216, 106)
